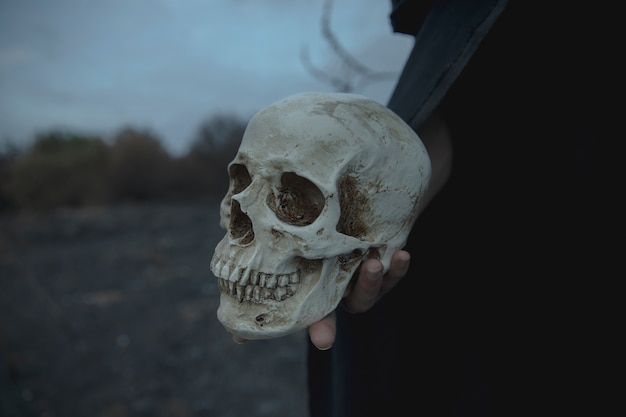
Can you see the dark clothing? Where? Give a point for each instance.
(407, 16)
(445, 40)
(480, 324)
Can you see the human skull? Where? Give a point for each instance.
(321, 181)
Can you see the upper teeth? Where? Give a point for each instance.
(253, 285)
(259, 286)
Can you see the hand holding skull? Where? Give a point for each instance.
(320, 183)
(369, 286)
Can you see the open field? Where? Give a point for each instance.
(110, 312)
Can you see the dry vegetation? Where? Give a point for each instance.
(66, 169)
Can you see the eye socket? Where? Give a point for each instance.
(240, 178)
(298, 202)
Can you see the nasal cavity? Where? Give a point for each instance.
(240, 224)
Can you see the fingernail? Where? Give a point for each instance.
(323, 348)
(374, 273)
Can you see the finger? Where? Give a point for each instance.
(400, 262)
(239, 340)
(323, 332)
(367, 287)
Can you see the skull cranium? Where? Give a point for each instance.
(321, 181)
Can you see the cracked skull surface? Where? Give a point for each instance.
(321, 181)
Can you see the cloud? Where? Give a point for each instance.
(168, 65)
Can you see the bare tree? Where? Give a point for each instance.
(353, 75)
(217, 133)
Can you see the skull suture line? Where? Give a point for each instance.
(320, 182)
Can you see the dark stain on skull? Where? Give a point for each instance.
(373, 253)
(347, 261)
(327, 108)
(353, 203)
(356, 108)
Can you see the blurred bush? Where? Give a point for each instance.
(59, 169)
(139, 167)
(65, 169)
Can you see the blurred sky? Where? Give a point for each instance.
(96, 66)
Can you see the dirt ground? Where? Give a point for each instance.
(110, 312)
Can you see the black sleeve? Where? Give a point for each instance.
(445, 39)
(407, 16)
